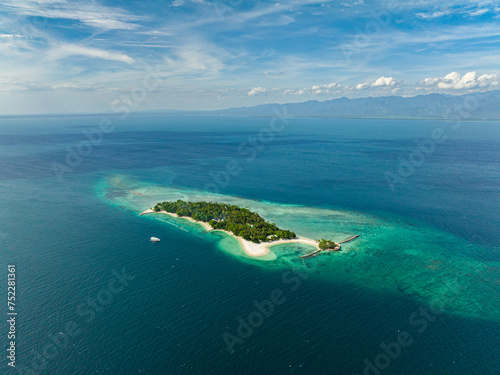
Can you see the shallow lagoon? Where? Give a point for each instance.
(389, 256)
(66, 238)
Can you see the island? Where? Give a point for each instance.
(327, 244)
(253, 232)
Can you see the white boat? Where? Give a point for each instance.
(155, 239)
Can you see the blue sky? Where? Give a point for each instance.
(65, 56)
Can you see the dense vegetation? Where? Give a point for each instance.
(327, 244)
(240, 221)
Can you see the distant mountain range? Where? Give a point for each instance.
(478, 106)
(481, 106)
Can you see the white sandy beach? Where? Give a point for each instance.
(252, 249)
(203, 224)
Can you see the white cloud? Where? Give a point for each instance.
(379, 82)
(468, 11)
(256, 91)
(178, 3)
(488, 80)
(66, 50)
(478, 12)
(455, 81)
(384, 81)
(325, 89)
(199, 60)
(13, 45)
(16, 84)
(281, 20)
(10, 36)
(353, 3)
(390, 86)
(260, 14)
(196, 58)
(327, 86)
(433, 15)
(91, 14)
(156, 33)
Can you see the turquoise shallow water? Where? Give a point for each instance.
(435, 239)
(392, 256)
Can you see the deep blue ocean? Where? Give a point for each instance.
(69, 234)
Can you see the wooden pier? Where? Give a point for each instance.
(337, 248)
(313, 254)
(349, 239)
